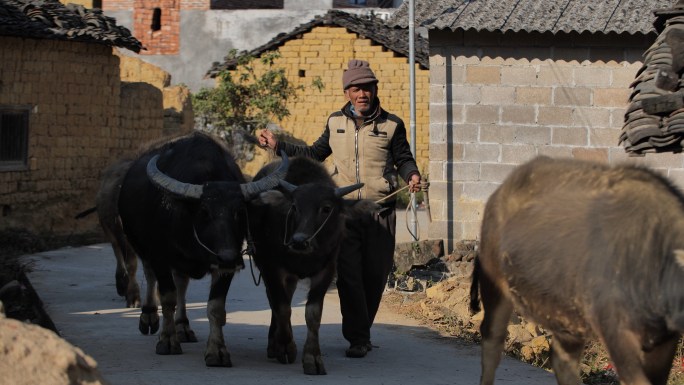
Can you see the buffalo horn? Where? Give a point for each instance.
(252, 189)
(342, 191)
(169, 184)
(287, 185)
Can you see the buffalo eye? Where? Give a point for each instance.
(326, 209)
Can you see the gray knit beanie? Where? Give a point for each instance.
(359, 72)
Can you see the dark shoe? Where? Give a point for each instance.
(359, 350)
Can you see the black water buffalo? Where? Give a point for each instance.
(297, 231)
(183, 205)
(586, 251)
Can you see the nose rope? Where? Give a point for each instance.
(249, 251)
(194, 231)
(287, 220)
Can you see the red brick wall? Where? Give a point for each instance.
(164, 41)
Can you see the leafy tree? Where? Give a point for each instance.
(245, 99)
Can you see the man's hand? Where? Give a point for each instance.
(267, 139)
(414, 183)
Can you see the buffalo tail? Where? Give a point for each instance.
(475, 287)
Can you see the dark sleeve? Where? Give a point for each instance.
(319, 150)
(401, 152)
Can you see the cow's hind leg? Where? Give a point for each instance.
(132, 288)
(494, 328)
(216, 353)
(566, 353)
(658, 361)
(168, 339)
(625, 350)
(126, 266)
(149, 318)
(281, 345)
(183, 330)
(312, 359)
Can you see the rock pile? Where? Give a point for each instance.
(30, 354)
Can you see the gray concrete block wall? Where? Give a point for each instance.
(493, 107)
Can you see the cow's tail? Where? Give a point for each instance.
(475, 287)
(85, 213)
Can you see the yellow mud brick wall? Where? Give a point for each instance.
(82, 117)
(323, 53)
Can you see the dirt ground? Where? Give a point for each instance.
(596, 361)
(22, 303)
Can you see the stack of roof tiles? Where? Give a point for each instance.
(50, 19)
(654, 120)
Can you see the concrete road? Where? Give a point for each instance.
(77, 288)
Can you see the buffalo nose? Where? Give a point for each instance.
(227, 256)
(300, 241)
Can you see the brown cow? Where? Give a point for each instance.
(586, 251)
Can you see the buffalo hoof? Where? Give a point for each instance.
(167, 347)
(313, 364)
(184, 333)
(284, 354)
(217, 356)
(149, 321)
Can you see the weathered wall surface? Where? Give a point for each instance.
(497, 101)
(83, 117)
(73, 92)
(206, 37)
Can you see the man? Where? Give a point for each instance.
(368, 145)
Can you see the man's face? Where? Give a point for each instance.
(361, 97)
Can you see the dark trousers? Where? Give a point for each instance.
(364, 263)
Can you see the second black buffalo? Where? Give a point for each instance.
(297, 232)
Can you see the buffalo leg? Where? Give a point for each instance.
(281, 343)
(149, 319)
(132, 289)
(658, 361)
(625, 350)
(494, 328)
(216, 353)
(183, 330)
(126, 267)
(566, 353)
(312, 359)
(168, 339)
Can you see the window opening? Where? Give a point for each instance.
(13, 138)
(156, 19)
